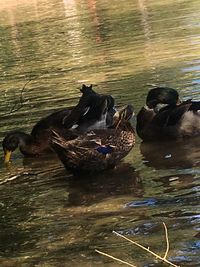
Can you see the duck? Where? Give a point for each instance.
(98, 149)
(166, 117)
(87, 114)
(37, 142)
(82, 116)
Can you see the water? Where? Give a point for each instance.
(47, 216)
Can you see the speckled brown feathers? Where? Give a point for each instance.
(95, 150)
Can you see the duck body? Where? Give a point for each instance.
(95, 150)
(168, 118)
(54, 120)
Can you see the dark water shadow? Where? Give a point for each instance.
(87, 190)
(175, 154)
(34, 209)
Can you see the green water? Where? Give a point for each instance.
(48, 218)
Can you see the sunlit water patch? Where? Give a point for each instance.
(50, 217)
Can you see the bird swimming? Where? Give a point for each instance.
(97, 150)
(165, 116)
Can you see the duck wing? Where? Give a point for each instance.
(195, 106)
(92, 108)
(171, 115)
(88, 108)
(94, 151)
(94, 140)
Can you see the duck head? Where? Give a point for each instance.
(162, 96)
(126, 113)
(10, 143)
(123, 116)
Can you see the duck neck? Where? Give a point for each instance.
(25, 143)
(144, 117)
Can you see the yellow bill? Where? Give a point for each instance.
(7, 155)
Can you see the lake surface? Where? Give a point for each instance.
(48, 217)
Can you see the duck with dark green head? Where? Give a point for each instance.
(166, 117)
(97, 150)
(87, 113)
(37, 142)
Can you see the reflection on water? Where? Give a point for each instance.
(88, 190)
(48, 217)
(179, 154)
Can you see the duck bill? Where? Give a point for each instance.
(7, 156)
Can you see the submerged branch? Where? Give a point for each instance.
(17, 106)
(144, 248)
(167, 241)
(148, 250)
(29, 173)
(12, 178)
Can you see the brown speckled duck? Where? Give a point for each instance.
(97, 150)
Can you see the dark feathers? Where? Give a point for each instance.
(90, 109)
(165, 116)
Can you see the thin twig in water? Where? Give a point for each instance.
(29, 173)
(146, 249)
(21, 99)
(167, 241)
(114, 258)
(151, 84)
(9, 179)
